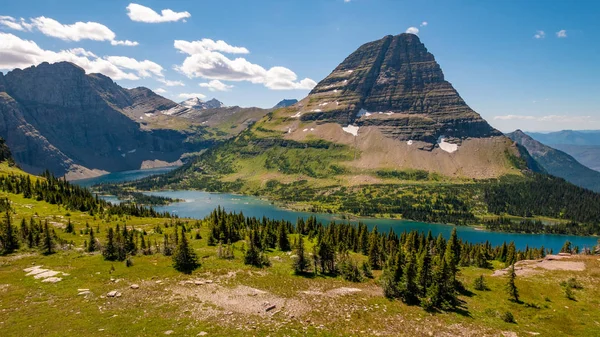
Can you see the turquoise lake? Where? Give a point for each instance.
(199, 204)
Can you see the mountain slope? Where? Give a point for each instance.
(385, 115)
(558, 163)
(584, 146)
(58, 118)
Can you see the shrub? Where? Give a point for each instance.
(508, 317)
(479, 284)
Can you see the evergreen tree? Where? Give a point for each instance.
(48, 241)
(511, 287)
(374, 250)
(110, 249)
(300, 263)
(566, 248)
(408, 285)
(424, 272)
(185, 259)
(69, 228)
(92, 245)
(8, 237)
(283, 243)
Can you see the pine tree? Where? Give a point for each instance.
(8, 238)
(374, 250)
(424, 272)
(408, 284)
(300, 263)
(185, 259)
(283, 243)
(48, 241)
(92, 245)
(110, 250)
(511, 287)
(69, 228)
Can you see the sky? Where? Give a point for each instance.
(529, 65)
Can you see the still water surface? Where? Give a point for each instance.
(198, 204)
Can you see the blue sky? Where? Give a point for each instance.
(275, 49)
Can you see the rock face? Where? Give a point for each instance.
(558, 163)
(54, 116)
(285, 103)
(394, 84)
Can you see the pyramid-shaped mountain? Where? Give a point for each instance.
(395, 84)
(383, 114)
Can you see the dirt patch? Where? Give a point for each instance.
(241, 299)
(550, 262)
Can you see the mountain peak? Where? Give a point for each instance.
(285, 103)
(395, 83)
(198, 104)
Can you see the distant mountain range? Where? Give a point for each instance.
(57, 117)
(558, 163)
(582, 145)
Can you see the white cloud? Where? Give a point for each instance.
(413, 30)
(204, 61)
(424, 23)
(203, 45)
(12, 23)
(540, 34)
(191, 95)
(141, 13)
(346, 1)
(18, 53)
(75, 32)
(169, 83)
(561, 33)
(216, 85)
(160, 91)
(124, 43)
(143, 68)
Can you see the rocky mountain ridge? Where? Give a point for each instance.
(558, 163)
(56, 117)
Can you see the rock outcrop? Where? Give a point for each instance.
(394, 84)
(54, 116)
(284, 103)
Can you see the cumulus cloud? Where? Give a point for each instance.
(196, 47)
(204, 60)
(141, 13)
(540, 34)
(549, 118)
(12, 23)
(18, 53)
(413, 30)
(561, 34)
(216, 85)
(169, 83)
(75, 32)
(124, 43)
(191, 95)
(160, 91)
(424, 23)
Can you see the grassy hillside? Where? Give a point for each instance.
(225, 297)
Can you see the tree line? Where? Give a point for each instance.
(73, 197)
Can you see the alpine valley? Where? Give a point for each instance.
(383, 135)
(381, 204)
